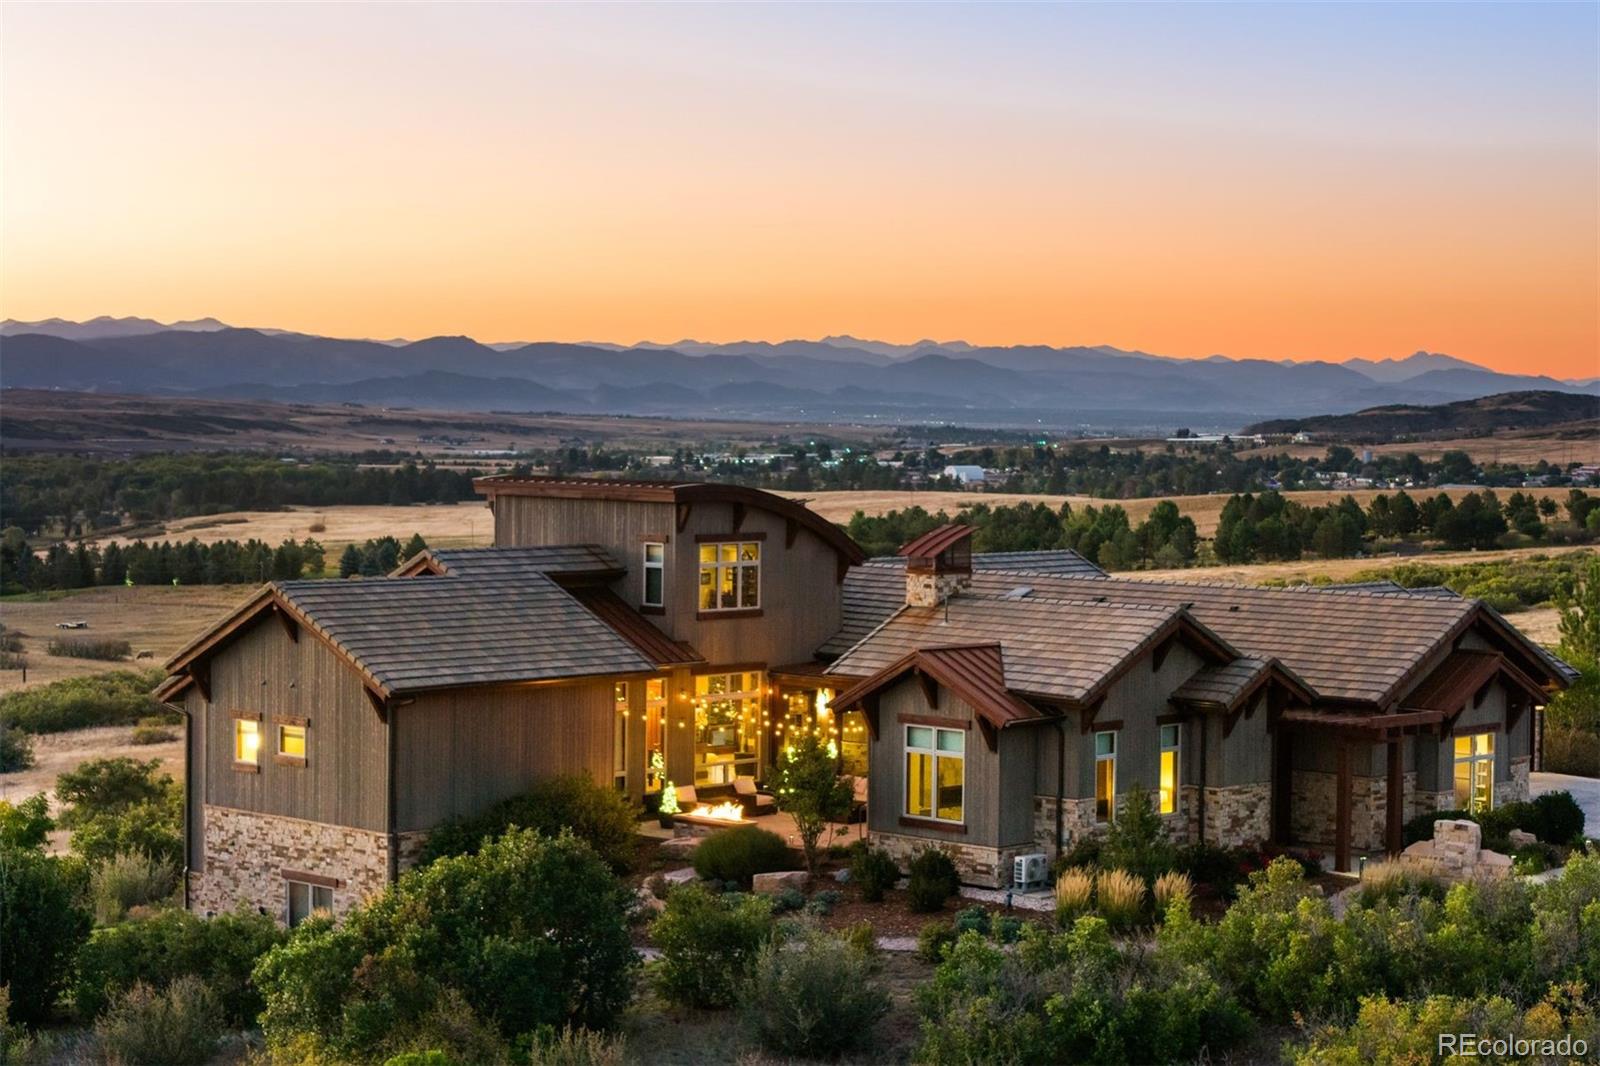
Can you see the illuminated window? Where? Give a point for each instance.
(655, 575)
(1169, 769)
(935, 771)
(619, 736)
(306, 900)
(1105, 776)
(729, 713)
(246, 741)
(292, 741)
(730, 576)
(1475, 771)
(655, 730)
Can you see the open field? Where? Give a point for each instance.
(57, 753)
(441, 525)
(1511, 446)
(1341, 569)
(157, 619)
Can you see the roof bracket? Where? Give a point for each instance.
(379, 704)
(791, 530)
(991, 736)
(683, 515)
(290, 626)
(200, 674)
(1159, 656)
(738, 515)
(1086, 722)
(930, 689)
(1482, 694)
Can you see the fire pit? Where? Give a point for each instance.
(707, 816)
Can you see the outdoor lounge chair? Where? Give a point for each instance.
(755, 802)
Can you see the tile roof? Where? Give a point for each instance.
(1063, 562)
(975, 673)
(935, 541)
(443, 631)
(545, 559)
(636, 629)
(1224, 684)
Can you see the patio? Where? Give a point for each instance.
(779, 823)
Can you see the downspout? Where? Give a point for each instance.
(1061, 777)
(1205, 757)
(388, 802)
(188, 795)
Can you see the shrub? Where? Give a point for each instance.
(1218, 869)
(119, 697)
(817, 999)
(79, 648)
(807, 787)
(153, 730)
(1557, 818)
(450, 1034)
(121, 805)
(933, 880)
(934, 938)
(1391, 880)
(1565, 941)
(161, 947)
(599, 816)
(823, 902)
(16, 749)
(790, 899)
(1008, 928)
(874, 869)
(1135, 840)
(1569, 750)
(1170, 886)
(1120, 897)
(577, 1047)
(1074, 894)
(972, 920)
(530, 931)
(129, 879)
(708, 944)
(43, 920)
(739, 854)
(179, 1026)
(27, 823)
(862, 938)
(1084, 854)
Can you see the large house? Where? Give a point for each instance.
(652, 633)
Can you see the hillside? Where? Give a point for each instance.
(1545, 410)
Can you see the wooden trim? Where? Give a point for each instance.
(738, 515)
(1086, 719)
(655, 538)
(290, 719)
(651, 609)
(1171, 719)
(1107, 727)
(681, 515)
(928, 719)
(200, 674)
(247, 767)
(791, 530)
(307, 878)
(288, 760)
(290, 626)
(728, 538)
(1492, 727)
(737, 612)
(955, 828)
(249, 716)
(930, 689)
(726, 668)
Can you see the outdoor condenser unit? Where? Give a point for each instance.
(1028, 871)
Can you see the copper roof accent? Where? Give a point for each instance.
(1365, 725)
(976, 673)
(1063, 650)
(636, 629)
(676, 492)
(935, 541)
(554, 560)
(1230, 685)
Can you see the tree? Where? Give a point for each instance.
(350, 561)
(119, 805)
(1580, 617)
(43, 921)
(808, 788)
(414, 547)
(26, 824)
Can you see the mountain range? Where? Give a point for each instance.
(835, 378)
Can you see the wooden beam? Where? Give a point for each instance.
(379, 704)
(1341, 822)
(1483, 693)
(930, 689)
(991, 737)
(1395, 801)
(738, 516)
(869, 711)
(791, 530)
(683, 515)
(1086, 721)
(290, 626)
(200, 674)
(1159, 656)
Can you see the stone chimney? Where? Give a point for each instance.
(938, 565)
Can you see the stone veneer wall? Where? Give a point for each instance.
(1235, 815)
(246, 853)
(987, 867)
(1514, 790)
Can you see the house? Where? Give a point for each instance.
(967, 475)
(647, 633)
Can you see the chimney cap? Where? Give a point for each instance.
(947, 549)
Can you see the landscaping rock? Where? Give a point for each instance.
(776, 883)
(1521, 838)
(1455, 854)
(680, 877)
(842, 876)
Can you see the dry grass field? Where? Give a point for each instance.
(1512, 446)
(441, 525)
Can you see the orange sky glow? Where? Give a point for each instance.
(1309, 182)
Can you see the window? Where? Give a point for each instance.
(306, 900)
(619, 737)
(1169, 770)
(935, 770)
(1105, 777)
(730, 576)
(655, 575)
(246, 741)
(655, 730)
(1475, 772)
(729, 715)
(292, 743)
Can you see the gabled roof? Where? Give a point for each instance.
(974, 672)
(1067, 651)
(1230, 685)
(674, 492)
(636, 629)
(585, 560)
(1460, 676)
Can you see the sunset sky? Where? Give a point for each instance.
(1270, 181)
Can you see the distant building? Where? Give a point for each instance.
(1589, 473)
(967, 475)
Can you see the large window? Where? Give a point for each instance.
(246, 742)
(619, 736)
(306, 900)
(728, 727)
(1105, 776)
(935, 772)
(655, 733)
(1475, 772)
(655, 575)
(730, 576)
(1169, 769)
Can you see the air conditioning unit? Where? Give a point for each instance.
(1030, 871)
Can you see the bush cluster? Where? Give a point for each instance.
(45, 920)
(818, 998)
(599, 816)
(16, 749)
(121, 806)
(179, 1025)
(127, 880)
(708, 943)
(874, 869)
(119, 697)
(932, 880)
(1552, 817)
(739, 854)
(81, 648)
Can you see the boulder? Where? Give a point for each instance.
(775, 883)
(1521, 838)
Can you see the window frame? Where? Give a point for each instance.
(659, 566)
(240, 720)
(282, 757)
(935, 755)
(312, 891)
(622, 703)
(1110, 757)
(655, 721)
(750, 692)
(1176, 751)
(1473, 761)
(717, 566)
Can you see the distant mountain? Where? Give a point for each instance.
(1477, 417)
(838, 377)
(105, 326)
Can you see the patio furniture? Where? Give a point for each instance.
(755, 801)
(858, 798)
(687, 800)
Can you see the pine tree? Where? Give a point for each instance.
(350, 561)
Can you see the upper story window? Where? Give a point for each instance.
(1105, 776)
(1474, 764)
(935, 772)
(247, 742)
(1170, 750)
(292, 743)
(655, 575)
(730, 575)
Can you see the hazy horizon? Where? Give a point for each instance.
(1305, 182)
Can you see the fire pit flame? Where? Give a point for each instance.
(722, 812)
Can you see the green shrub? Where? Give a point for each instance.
(16, 749)
(708, 944)
(1568, 750)
(933, 880)
(741, 853)
(153, 730)
(129, 879)
(1083, 855)
(816, 999)
(160, 948)
(1565, 934)
(934, 938)
(808, 788)
(1008, 929)
(599, 816)
(118, 697)
(823, 902)
(450, 1034)
(1218, 869)
(176, 1026)
(80, 648)
(790, 899)
(577, 1047)
(1557, 818)
(529, 932)
(27, 823)
(972, 920)
(1136, 841)
(874, 869)
(120, 805)
(43, 921)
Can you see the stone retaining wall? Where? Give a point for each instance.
(989, 867)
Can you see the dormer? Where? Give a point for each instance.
(938, 565)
